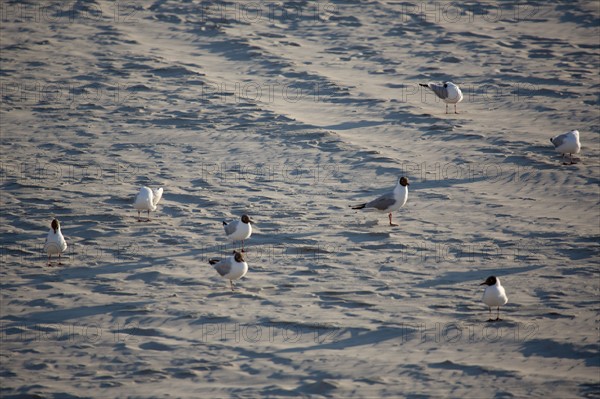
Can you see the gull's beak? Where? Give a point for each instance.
(251, 221)
(482, 283)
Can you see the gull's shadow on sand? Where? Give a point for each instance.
(354, 125)
(476, 276)
(69, 273)
(445, 183)
(62, 315)
(92, 271)
(358, 337)
(551, 348)
(473, 370)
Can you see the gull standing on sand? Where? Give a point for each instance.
(239, 229)
(389, 202)
(55, 242)
(232, 268)
(448, 92)
(494, 295)
(567, 143)
(147, 200)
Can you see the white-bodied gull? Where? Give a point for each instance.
(494, 295)
(448, 92)
(55, 242)
(147, 200)
(389, 202)
(567, 143)
(239, 229)
(232, 268)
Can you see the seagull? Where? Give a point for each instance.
(567, 143)
(448, 92)
(233, 267)
(55, 242)
(494, 295)
(389, 202)
(239, 229)
(147, 200)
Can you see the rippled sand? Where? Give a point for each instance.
(291, 113)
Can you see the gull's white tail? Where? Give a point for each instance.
(158, 192)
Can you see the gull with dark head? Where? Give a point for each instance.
(567, 143)
(55, 242)
(146, 200)
(232, 268)
(239, 230)
(494, 295)
(389, 202)
(447, 92)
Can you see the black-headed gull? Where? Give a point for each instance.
(567, 143)
(494, 295)
(146, 200)
(239, 229)
(448, 92)
(232, 268)
(55, 242)
(389, 202)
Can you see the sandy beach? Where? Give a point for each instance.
(290, 112)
